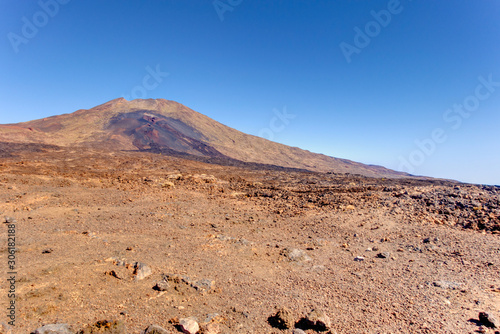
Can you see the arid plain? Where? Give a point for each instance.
(423, 268)
(161, 226)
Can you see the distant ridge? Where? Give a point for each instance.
(159, 125)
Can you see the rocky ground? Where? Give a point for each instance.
(117, 242)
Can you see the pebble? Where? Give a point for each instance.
(167, 184)
(283, 319)
(114, 274)
(10, 220)
(105, 327)
(211, 317)
(161, 285)
(489, 320)
(298, 331)
(319, 321)
(359, 258)
(204, 284)
(141, 271)
(446, 285)
(383, 255)
(154, 329)
(189, 325)
(54, 329)
(296, 255)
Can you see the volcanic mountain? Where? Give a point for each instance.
(168, 127)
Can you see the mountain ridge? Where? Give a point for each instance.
(161, 125)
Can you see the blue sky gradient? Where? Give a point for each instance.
(241, 61)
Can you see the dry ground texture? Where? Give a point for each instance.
(236, 244)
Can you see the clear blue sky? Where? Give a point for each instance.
(359, 88)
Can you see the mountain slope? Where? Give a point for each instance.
(159, 125)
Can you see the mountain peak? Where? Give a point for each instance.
(165, 126)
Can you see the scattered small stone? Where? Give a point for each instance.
(320, 242)
(298, 331)
(47, 251)
(295, 255)
(316, 320)
(167, 184)
(141, 271)
(10, 220)
(374, 248)
(383, 255)
(224, 238)
(161, 285)
(189, 325)
(283, 319)
(489, 320)
(113, 273)
(154, 329)
(446, 285)
(430, 248)
(130, 248)
(54, 329)
(176, 176)
(243, 242)
(204, 285)
(105, 327)
(359, 258)
(318, 268)
(211, 317)
(119, 263)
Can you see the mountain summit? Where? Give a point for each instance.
(165, 126)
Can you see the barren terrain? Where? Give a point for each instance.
(231, 246)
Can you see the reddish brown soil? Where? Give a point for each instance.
(77, 209)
